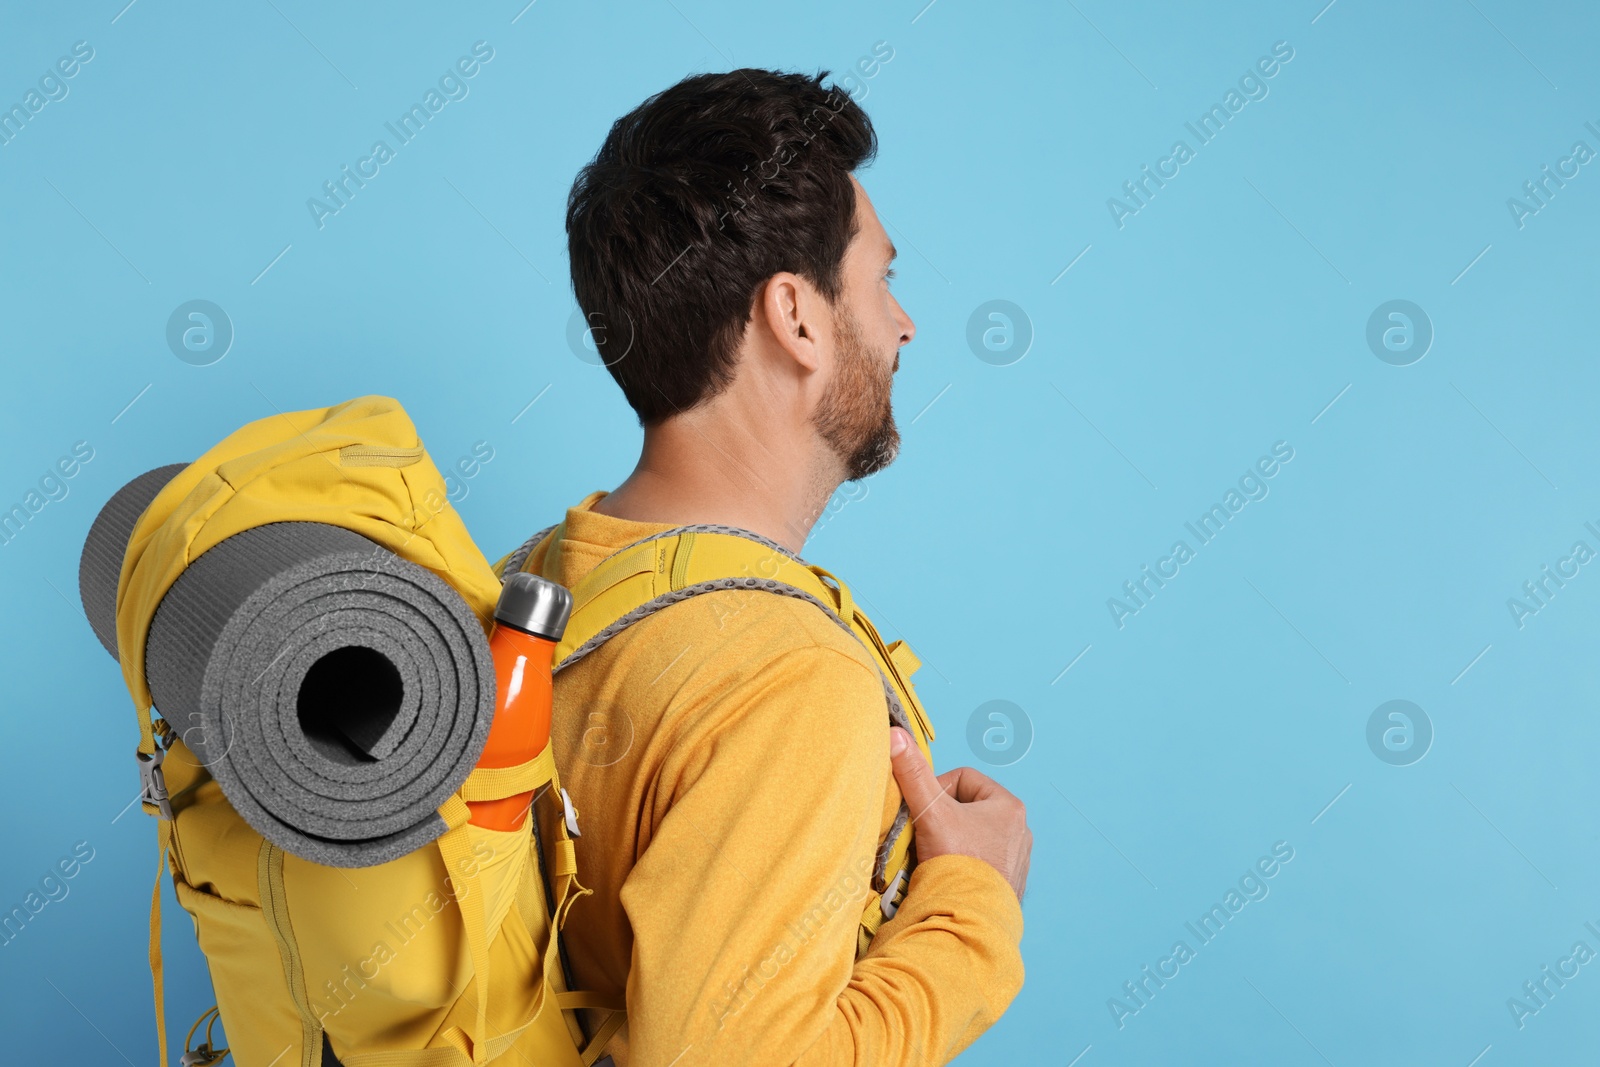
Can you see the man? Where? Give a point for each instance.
(731, 755)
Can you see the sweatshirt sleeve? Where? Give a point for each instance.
(744, 904)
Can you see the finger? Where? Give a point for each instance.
(951, 781)
(966, 785)
(947, 781)
(914, 773)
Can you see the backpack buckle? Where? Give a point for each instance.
(889, 902)
(152, 782)
(570, 813)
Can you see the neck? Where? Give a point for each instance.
(697, 469)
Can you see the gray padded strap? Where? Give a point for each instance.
(711, 527)
(515, 561)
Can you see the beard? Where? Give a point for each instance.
(856, 415)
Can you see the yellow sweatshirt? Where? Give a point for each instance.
(729, 760)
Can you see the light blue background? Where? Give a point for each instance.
(1223, 317)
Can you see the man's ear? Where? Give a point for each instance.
(787, 307)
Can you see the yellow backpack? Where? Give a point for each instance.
(449, 955)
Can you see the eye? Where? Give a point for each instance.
(888, 274)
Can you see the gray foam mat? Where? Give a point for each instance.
(337, 692)
(101, 563)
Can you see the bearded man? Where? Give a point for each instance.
(730, 755)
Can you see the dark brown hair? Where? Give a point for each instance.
(696, 198)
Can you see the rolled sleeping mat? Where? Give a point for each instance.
(337, 692)
(100, 566)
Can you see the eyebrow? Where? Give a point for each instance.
(893, 252)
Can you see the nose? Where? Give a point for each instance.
(908, 329)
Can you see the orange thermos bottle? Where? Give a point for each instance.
(529, 619)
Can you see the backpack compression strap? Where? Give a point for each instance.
(657, 571)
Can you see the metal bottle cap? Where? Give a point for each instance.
(535, 604)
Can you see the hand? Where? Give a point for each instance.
(962, 813)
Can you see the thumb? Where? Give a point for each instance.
(915, 775)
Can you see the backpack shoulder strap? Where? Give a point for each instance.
(666, 568)
(515, 561)
(657, 571)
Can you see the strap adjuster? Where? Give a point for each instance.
(152, 782)
(204, 1055)
(887, 902)
(570, 813)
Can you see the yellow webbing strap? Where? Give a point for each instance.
(164, 839)
(456, 849)
(619, 580)
(868, 928)
(566, 858)
(583, 998)
(179, 776)
(899, 662)
(905, 661)
(497, 783)
(597, 1044)
(680, 560)
(164, 843)
(842, 603)
(568, 891)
